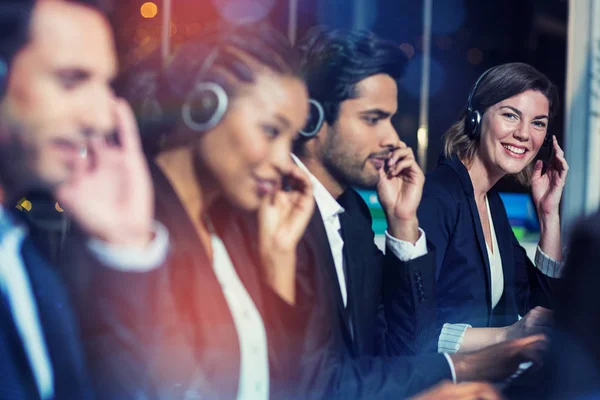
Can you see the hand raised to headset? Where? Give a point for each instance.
(400, 189)
(282, 220)
(110, 194)
(547, 189)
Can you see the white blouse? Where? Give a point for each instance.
(495, 259)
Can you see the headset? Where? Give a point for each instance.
(473, 117)
(316, 117)
(206, 104)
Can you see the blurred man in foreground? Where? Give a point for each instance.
(62, 131)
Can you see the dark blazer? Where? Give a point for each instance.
(202, 326)
(60, 333)
(391, 308)
(448, 214)
(169, 333)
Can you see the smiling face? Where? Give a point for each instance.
(58, 94)
(248, 153)
(513, 132)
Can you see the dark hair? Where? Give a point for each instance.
(237, 52)
(500, 83)
(335, 60)
(14, 28)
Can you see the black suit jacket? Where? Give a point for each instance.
(199, 337)
(391, 308)
(448, 213)
(60, 333)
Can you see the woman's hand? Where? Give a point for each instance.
(282, 220)
(547, 189)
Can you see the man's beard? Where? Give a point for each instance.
(345, 167)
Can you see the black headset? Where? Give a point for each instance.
(316, 117)
(473, 117)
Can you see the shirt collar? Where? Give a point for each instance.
(8, 225)
(328, 205)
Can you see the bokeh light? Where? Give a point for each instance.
(475, 56)
(26, 205)
(58, 208)
(244, 11)
(149, 9)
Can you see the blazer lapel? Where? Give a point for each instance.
(504, 239)
(467, 185)
(316, 238)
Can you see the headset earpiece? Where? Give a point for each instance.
(204, 107)
(472, 122)
(473, 117)
(316, 117)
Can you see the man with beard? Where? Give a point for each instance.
(63, 131)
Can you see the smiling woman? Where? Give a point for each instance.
(485, 279)
(223, 115)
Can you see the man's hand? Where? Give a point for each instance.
(538, 320)
(111, 195)
(464, 391)
(400, 189)
(500, 361)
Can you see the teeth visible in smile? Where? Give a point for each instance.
(514, 149)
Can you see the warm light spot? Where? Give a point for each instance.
(475, 56)
(149, 10)
(408, 49)
(26, 204)
(58, 208)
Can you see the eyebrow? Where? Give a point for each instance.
(520, 114)
(378, 112)
(284, 121)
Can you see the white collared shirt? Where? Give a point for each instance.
(495, 259)
(14, 284)
(252, 337)
(330, 211)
